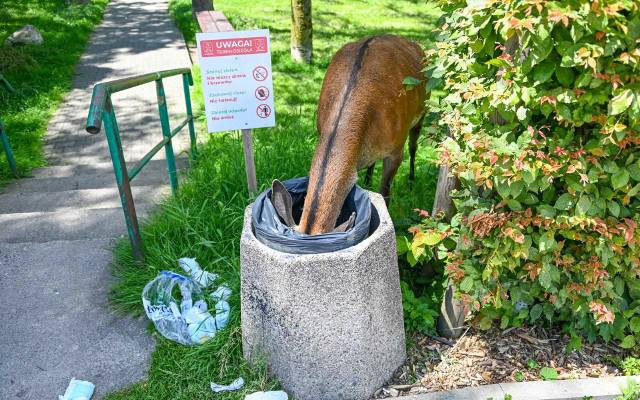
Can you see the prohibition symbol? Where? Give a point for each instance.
(260, 73)
(263, 111)
(262, 93)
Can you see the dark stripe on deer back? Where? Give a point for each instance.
(353, 77)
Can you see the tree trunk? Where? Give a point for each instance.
(301, 31)
(442, 202)
(201, 5)
(452, 310)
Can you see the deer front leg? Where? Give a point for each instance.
(390, 166)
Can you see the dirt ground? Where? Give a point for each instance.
(496, 356)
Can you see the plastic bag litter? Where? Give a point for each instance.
(199, 276)
(78, 390)
(190, 323)
(235, 385)
(277, 395)
(271, 231)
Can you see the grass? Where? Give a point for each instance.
(204, 220)
(41, 74)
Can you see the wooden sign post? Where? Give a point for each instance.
(236, 81)
(247, 147)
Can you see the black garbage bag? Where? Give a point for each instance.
(273, 232)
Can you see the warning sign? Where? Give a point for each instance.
(236, 79)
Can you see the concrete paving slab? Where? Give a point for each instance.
(77, 199)
(471, 393)
(570, 389)
(40, 227)
(57, 324)
(102, 168)
(136, 37)
(44, 185)
(54, 259)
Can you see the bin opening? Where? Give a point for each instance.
(271, 229)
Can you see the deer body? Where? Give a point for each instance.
(364, 115)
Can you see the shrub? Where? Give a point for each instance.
(542, 106)
(631, 366)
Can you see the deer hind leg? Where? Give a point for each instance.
(390, 166)
(369, 175)
(414, 134)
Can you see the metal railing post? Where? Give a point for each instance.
(186, 82)
(122, 179)
(7, 151)
(101, 111)
(166, 132)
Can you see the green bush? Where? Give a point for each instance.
(542, 105)
(631, 366)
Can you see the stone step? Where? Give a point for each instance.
(89, 176)
(43, 227)
(61, 171)
(57, 322)
(27, 202)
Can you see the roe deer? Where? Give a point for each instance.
(364, 114)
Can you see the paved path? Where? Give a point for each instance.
(57, 227)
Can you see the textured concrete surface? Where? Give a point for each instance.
(330, 325)
(42, 227)
(136, 37)
(57, 227)
(572, 389)
(77, 199)
(89, 176)
(56, 323)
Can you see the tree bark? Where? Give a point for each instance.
(452, 310)
(442, 202)
(301, 31)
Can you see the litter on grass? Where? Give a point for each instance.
(78, 390)
(201, 277)
(190, 323)
(235, 385)
(277, 395)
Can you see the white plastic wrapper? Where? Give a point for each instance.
(78, 390)
(235, 385)
(277, 395)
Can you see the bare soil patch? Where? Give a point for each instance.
(497, 356)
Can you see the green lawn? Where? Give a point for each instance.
(42, 74)
(205, 219)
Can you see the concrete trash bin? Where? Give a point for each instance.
(329, 325)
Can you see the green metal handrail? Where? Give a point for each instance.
(101, 111)
(4, 139)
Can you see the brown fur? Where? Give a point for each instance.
(364, 114)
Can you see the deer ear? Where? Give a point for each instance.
(346, 225)
(281, 200)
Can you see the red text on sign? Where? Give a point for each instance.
(233, 47)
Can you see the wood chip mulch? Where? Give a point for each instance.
(496, 356)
